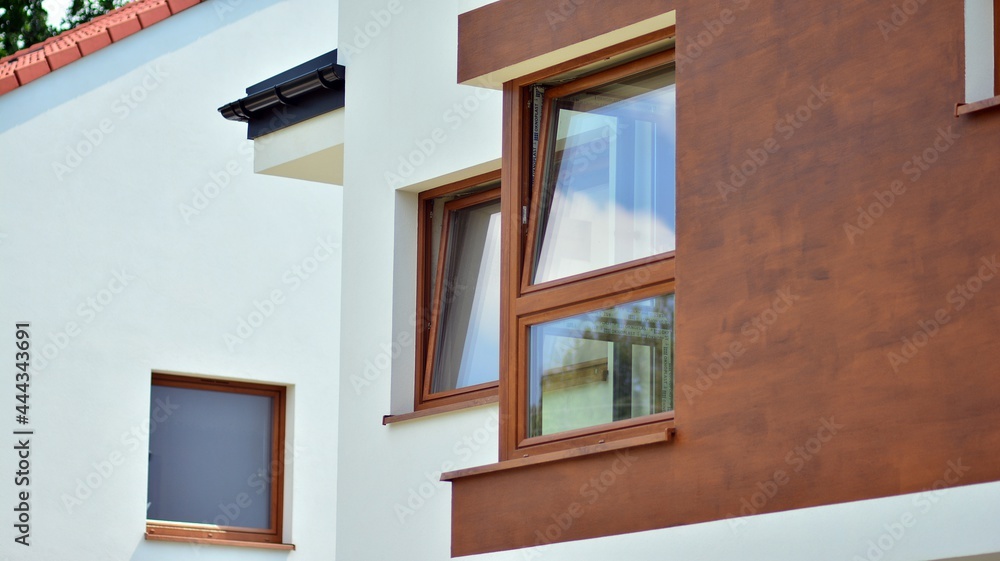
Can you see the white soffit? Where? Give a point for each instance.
(312, 150)
(453, 177)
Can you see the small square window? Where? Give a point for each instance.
(215, 460)
(459, 289)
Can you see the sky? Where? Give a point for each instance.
(56, 10)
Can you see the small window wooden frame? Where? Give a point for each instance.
(524, 304)
(429, 294)
(992, 102)
(166, 530)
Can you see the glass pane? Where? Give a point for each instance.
(468, 338)
(602, 366)
(608, 183)
(210, 457)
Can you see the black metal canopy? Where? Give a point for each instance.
(303, 92)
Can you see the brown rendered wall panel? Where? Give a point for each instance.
(856, 287)
(510, 31)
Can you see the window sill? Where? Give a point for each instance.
(666, 435)
(210, 541)
(389, 419)
(966, 108)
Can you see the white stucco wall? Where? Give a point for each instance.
(401, 105)
(193, 273)
(401, 86)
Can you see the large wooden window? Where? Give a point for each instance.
(590, 290)
(459, 293)
(215, 461)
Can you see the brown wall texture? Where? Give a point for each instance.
(838, 291)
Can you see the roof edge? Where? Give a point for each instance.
(39, 59)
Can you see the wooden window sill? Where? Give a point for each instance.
(966, 108)
(210, 541)
(478, 402)
(657, 437)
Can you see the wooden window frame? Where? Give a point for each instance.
(990, 102)
(429, 296)
(524, 304)
(996, 47)
(166, 530)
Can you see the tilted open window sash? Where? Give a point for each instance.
(460, 300)
(603, 181)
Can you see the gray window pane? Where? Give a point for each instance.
(468, 338)
(210, 460)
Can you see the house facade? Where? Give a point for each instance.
(833, 177)
(138, 241)
(651, 279)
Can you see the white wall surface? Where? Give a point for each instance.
(192, 276)
(391, 506)
(401, 96)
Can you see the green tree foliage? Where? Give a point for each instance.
(22, 23)
(82, 11)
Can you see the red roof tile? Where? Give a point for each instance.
(121, 26)
(178, 5)
(153, 12)
(61, 52)
(31, 66)
(7, 79)
(38, 60)
(91, 38)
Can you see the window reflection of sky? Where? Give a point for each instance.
(481, 354)
(591, 210)
(468, 329)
